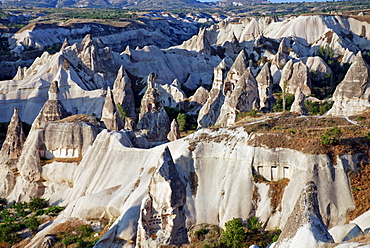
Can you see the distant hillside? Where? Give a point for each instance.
(143, 4)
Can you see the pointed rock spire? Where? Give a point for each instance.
(13, 144)
(153, 119)
(110, 115)
(305, 227)
(281, 57)
(123, 94)
(264, 81)
(53, 109)
(174, 134)
(162, 216)
(352, 95)
(65, 44)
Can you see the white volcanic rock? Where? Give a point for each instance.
(281, 57)
(68, 138)
(110, 115)
(265, 82)
(162, 216)
(305, 227)
(363, 222)
(123, 94)
(298, 104)
(295, 76)
(198, 43)
(174, 64)
(318, 65)
(242, 98)
(345, 232)
(352, 95)
(53, 109)
(107, 186)
(174, 133)
(153, 119)
(78, 91)
(171, 94)
(14, 140)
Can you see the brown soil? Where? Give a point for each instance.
(360, 181)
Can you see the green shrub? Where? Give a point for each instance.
(252, 113)
(332, 136)
(37, 203)
(254, 223)
(181, 120)
(201, 232)
(234, 233)
(121, 111)
(289, 99)
(171, 112)
(32, 223)
(54, 210)
(316, 108)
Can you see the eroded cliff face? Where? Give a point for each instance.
(219, 167)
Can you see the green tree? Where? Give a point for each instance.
(181, 120)
(32, 223)
(332, 136)
(121, 111)
(234, 233)
(37, 203)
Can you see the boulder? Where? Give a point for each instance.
(344, 233)
(318, 66)
(352, 95)
(153, 119)
(123, 94)
(174, 133)
(52, 110)
(162, 216)
(298, 104)
(110, 114)
(305, 227)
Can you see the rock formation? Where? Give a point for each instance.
(13, 144)
(294, 76)
(317, 65)
(123, 94)
(162, 216)
(211, 110)
(174, 133)
(305, 227)
(352, 95)
(265, 82)
(281, 57)
(171, 95)
(298, 104)
(110, 115)
(53, 109)
(242, 98)
(153, 119)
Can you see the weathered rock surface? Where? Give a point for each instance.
(162, 216)
(265, 83)
(305, 227)
(298, 104)
(123, 94)
(153, 119)
(68, 138)
(171, 94)
(53, 109)
(294, 76)
(317, 65)
(13, 144)
(352, 95)
(105, 185)
(243, 97)
(345, 232)
(211, 110)
(281, 57)
(110, 114)
(174, 133)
